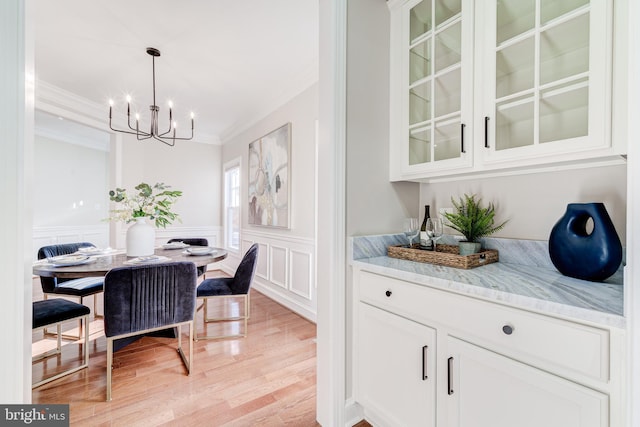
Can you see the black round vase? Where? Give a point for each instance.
(577, 253)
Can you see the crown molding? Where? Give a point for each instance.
(94, 144)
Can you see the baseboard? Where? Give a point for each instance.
(352, 413)
(285, 301)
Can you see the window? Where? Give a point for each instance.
(232, 205)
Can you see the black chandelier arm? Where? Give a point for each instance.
(129, 123)
(126, 131)
(183, 138)
(173, 140)
(163, 134)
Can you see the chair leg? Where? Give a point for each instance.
(85, 359)
(95, 307)
(242, 318)
(187, 363)
(109, 366)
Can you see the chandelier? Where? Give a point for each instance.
(169, 137)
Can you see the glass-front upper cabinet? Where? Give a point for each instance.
(547, 64)
(431, 76)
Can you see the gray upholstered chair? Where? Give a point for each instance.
(55, 312)
(149, 298)
(230, 287)
(69, 287)
(194, 241)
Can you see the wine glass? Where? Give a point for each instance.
(410, 228)
(434, 229)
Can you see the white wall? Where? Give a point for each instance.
(71, 181)
(16, 167)
(534, 202)
(286, 263)
(193, 168)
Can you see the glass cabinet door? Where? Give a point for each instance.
(545, 72)
(435, 46)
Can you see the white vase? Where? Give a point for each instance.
(141, 238)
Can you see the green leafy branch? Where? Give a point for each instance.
(144, 203)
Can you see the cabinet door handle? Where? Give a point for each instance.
(388, 293)
(450, 376)
(462, 125)
(424, 362)
(486, 132)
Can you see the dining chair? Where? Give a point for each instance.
(229, 287)
(149, 298)
(194, 241)
(55, 312)
(70, 287)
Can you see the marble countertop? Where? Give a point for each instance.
(531, 287)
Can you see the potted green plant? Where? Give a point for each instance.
(148, 202)
(473, 221)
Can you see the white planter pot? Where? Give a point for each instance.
(141, 238)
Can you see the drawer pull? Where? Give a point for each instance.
(450, 376)
(388, 293)
(424, 362)
(507, 329)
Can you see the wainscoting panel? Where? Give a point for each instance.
(44, 236)
(301, 273)
(262, 267)
(284, 271)
(212, 234)
(278, 265)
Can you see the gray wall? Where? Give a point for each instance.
(374, 205)
(302, 112)
(534, 202)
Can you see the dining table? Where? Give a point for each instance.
(98, 264)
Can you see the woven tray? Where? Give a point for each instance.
(446, 255)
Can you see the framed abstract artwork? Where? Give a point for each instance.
(270, 179)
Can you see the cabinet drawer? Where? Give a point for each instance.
(571, 349)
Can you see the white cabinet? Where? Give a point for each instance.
(546, 92)
(431, 86)
(429, 357)
(487, 389)
(488, 85)
(396, 369)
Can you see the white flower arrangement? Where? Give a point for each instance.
(145, 204)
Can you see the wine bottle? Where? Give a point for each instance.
(425, 241)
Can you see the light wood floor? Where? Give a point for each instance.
(266, 379)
